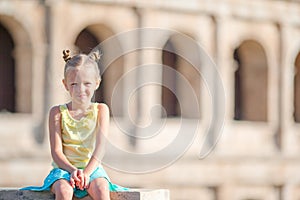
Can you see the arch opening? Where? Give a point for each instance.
(251, 82)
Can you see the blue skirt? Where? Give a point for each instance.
(57, 173)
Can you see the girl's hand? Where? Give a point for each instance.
(86, 181)
(79, 179)
(74, 179)
(80, 183)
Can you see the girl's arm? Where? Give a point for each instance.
(101, 136)
(56, 141)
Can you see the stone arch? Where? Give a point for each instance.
(183, 67)
(251, 82)
(88, 39)
(7, 69)
(169, 99)
(18, 52)
(296, 113)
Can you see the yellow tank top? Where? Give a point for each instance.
(78, 136)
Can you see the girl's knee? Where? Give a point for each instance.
(103, 185)
(99, 188)
(62, 189)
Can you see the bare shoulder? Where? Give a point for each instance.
(54, 111)
(103, 109)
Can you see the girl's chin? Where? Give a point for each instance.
(83, 100)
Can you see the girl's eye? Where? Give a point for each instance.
(88, 83)
(73, 84)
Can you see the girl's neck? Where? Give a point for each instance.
(79, 107)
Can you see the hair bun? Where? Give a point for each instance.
(66, 55)
(95, 55)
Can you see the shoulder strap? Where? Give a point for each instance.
(63, 107)
(95, 110)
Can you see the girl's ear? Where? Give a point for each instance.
(97, 84)
(65, 84)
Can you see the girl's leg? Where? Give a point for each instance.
(98, 189)
(62, 190)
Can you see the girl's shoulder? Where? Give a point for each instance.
(102, 105)
(54, 112)
(55, 109)
(103, 109)
(58, 108)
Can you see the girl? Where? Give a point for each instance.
(77, 133)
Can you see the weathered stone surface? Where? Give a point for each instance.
(146, 194)
(7, 194)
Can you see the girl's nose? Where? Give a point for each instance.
(81, 87)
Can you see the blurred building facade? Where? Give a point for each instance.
(256, 48)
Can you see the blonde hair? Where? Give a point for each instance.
(82, 60)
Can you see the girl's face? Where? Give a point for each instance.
(81, 84)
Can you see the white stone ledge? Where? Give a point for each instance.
(136, 194)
